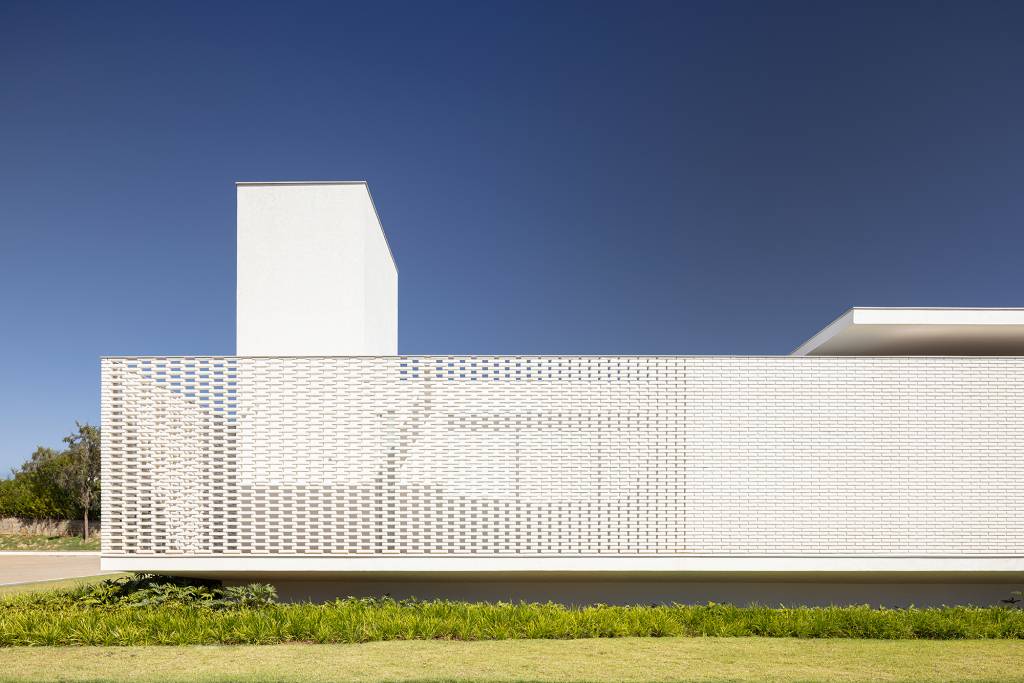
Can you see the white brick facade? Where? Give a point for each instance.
(580, 458)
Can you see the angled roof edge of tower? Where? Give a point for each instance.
(364, 183)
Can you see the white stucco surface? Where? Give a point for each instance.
(315, 274)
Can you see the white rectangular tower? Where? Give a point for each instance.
(316, 276)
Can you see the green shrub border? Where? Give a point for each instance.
(28, 621)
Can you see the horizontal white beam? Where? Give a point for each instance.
(635, 566)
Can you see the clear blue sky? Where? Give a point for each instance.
(678, 178)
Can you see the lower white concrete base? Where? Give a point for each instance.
(790, 594)
(639, 567)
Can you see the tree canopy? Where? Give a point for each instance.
(54, 484)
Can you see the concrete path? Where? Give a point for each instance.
(27, 567)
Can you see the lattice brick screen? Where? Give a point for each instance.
(562, 456)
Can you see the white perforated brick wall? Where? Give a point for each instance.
(564, 456)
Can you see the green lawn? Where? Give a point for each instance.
(58, 584)
(628, 659)
(43, 542)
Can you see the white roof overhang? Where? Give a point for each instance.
(920, 332)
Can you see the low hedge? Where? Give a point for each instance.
(35, 622)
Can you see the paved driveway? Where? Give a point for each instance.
(16, 567)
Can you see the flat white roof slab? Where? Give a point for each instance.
(920, 332)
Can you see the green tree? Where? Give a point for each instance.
(34, 490)
(79, 474)
(57, 484)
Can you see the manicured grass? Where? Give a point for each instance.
(630, 660)
(57, 585)
(40, 619)
(43, 542)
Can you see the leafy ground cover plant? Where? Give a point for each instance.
(154, 590)
(153, 610)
